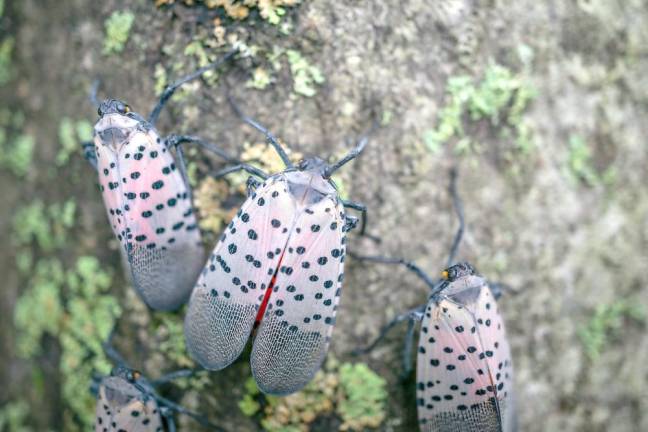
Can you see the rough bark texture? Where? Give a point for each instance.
(565, 247)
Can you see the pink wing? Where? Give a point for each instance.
(153, 219)
(109, 186)
(464, 369)
(231, 288)
(294, 335)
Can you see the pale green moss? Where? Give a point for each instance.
(118, 27)
(160, 79)
(305, 76)
(75, 306)
(16, 153)
(364, 398)
(71, 135)
(260, 79)
(24, 261)
(40, 310)
(14, 416)
(351, 391)
(6, 50)
(170, 330)
(47, 225)
(249, 405)
(272, 14)
(580, 165)
(90, 317)
(501, 97)
(606, 324)
(196, 49)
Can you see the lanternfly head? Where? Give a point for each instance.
(113, 106)
(456, 271)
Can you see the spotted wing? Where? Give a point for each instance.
(162, 240)
(120, 406)
(109, 184)
(231, 288)
(464, 369)
(295, 331)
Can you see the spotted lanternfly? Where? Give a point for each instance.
(148, 199)
(464, 373)
(279, 264)
(126, 401)
(124, 404)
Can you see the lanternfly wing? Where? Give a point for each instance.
(294, 334)
(464, 369)
(163, 240)
(229, 293)
(149, 209)
(121, 406)
(109, 184)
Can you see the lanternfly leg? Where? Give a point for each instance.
(354, 153)
(350, 223)
(168, 417)
(251, 184)
(89, 153)
(182, 410)
(362, 209)
(170, 89)
(176, 140)
(111, 352)
(407, 350)
(269, 136)
(498, 288)
(411, 315)
(399, 261)
(182, 373)
(241, 167)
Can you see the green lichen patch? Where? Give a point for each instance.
(362, 403)
(350, 391)
(168, 329)
(260, 79)
(43, 296)
(118, 27)
(6, 50)
(580, 165)
(75, 306)
(500, 97)
(45, 225)
(14, 417)
(16, 146)
(606, 323)
(17, 153)
(71, 134)
(306, 77)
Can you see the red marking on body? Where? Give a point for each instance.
(268, 293)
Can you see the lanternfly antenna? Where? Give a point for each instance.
(354, 153)
(269, 136)
(170, 89)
